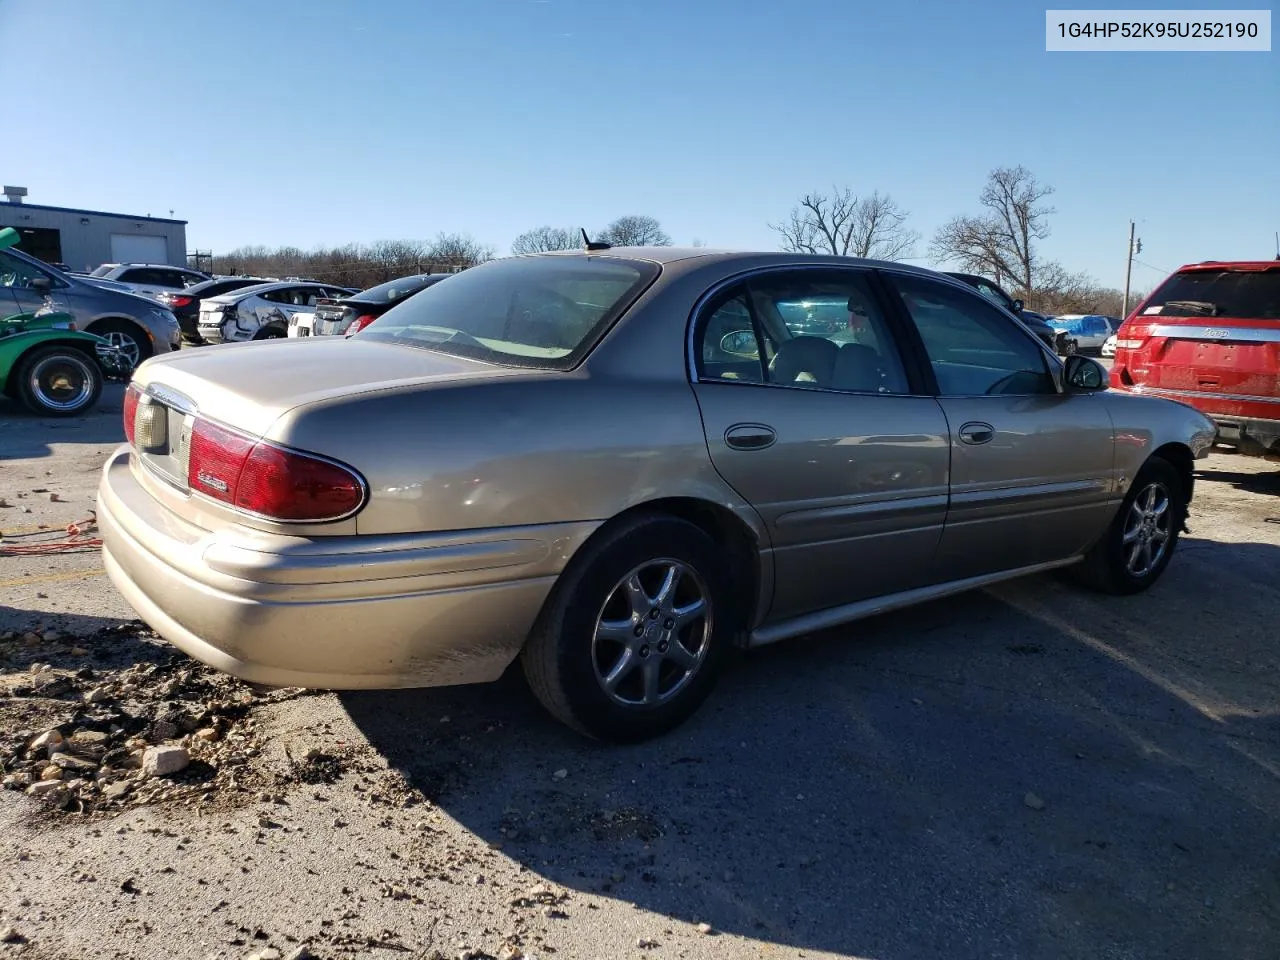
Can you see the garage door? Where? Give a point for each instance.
(137, 248)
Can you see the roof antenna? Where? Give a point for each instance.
(1278, 244)
(592, 244)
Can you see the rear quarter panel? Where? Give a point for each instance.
(546, 448)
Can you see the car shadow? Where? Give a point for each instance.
(26, 435)
(108, 642)
(1028, 771)
(1264, 482)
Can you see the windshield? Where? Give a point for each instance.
(1246, 295)
(526, 311)
(394, 290)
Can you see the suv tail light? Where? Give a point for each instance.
(1131, 336)
(360, 323)
(270, 481)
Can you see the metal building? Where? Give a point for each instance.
(85, 239)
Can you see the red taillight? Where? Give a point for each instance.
(269, 481)
(176, 300)
(1131, 336)
(360, 322)
(293, 487)
(130, 411)
(217, 458)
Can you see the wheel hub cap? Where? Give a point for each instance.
(1148, 529)
(652, 634)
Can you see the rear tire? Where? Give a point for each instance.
(270, 333)
(58, 382)
(613, 654)
(1139, 543)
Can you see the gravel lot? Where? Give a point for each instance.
(1030, 771)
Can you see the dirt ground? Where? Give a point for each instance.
(1029, 771)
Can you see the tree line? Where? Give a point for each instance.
(1000, 241)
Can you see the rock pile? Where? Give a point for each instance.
(117, 719)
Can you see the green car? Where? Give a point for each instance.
(47, 364)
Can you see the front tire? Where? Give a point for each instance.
(1140, 541)
(126, 336)
(58, 382)
(635, 633)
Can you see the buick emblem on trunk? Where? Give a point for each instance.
(212, 482)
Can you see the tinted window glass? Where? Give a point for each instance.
(974, 349)
(543, 311)
(394, 290)
(1218, 293)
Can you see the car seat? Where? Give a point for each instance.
(809, 360)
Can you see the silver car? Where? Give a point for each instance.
(617, 464)
(140, 327)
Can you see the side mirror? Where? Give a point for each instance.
(740, 342)
(1084, 374)
(41, 285)
(1018, 305)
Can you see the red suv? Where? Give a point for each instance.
(1210, 337)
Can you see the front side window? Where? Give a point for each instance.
(17, 273)
(539, 311)
(974, 350)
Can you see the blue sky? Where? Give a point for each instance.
(328, 121)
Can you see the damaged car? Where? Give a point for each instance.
(260, 312)
(614, 465)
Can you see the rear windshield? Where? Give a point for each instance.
(545, 311)
(103, 270)
(394, 290)
(1218, 293)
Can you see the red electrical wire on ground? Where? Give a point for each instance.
(78, 538)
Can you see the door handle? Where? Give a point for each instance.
(976, 433)
(750, 436)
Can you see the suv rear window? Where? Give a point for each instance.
(1243, 294)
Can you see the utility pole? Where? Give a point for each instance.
(1134, 247)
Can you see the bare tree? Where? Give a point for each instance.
(1001, 241)
(542, 239)
(844, 225)
(635, 230)
(459, 250)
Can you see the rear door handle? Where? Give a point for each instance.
(750, 436)
(976, 433)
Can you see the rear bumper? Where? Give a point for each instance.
(1249, 435)
(341, 612)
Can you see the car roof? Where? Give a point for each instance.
(267, 287)
(1249, 265)
(748, 258)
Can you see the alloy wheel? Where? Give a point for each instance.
(653, 634)
(1148, 529)
(126, 345)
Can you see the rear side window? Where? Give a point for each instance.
(1246, 295)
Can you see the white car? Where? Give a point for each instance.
(1109, 348)
(1089, 331)
(262, 312)
(145, 279)
(303, 324)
